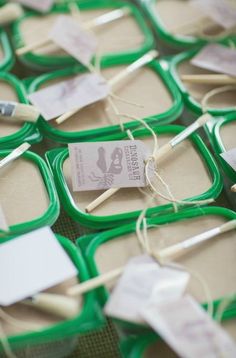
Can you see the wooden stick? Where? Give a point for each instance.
(209, 79)
(142, 61)
(99, 21)
(233, 188)
(162, 152)
(16, 153)
(179, 249)
(95, 282)
(10, 13)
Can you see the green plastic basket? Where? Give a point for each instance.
(61, 136)
(46, 62)
(190, 102)
(176, 42)
(6, 63)
(91, 243)
(28, 132)
(51, 213)
(57, 157)
(59, 340)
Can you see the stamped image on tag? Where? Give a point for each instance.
(65, 96)
(188, 329)
(38, 5)
(217, 58)
(144, 279)
(104, 165)
(70, 36)
(230, 157)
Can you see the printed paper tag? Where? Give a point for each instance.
(216, 58)
(32, 263)
(104, 165)
(38, 5)
(7, 109)
(70, 36)
(3, 222)
(65, 96)
(230, 157)
(219, 10)
(188, 329)
(142, 278)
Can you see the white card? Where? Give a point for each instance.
(219, 10)
(38, 5)
(144, 278)
(70, 36)
(3, 222)
(104, 165)
(188, 329)
(32, 263)
(216, 58)
(230, 157)
(65, 96)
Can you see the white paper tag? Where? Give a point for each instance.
(143, 278)
(104, 165)
(230, 157)
(219, 10)
(70, 36)
(65, 96)
(188, 329)
(216, 58)
(3, 222)
(38, 5)
(32, 263)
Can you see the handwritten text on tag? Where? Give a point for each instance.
(188, 329)
(70, 36)
(104, 165)
(32, 263)
(65, 96)
(3, 222)
(216, 58)
(230, 157)
(144, 278)
(38, 5)
(219, 10)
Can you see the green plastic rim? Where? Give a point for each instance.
(176, 41)
(90, 317)
(28, 132)
(52, 212)
(57, 157)
(86, 135)
(8, 60)
(89, 245)
(219, 146)
(42, 62)
(190, 102)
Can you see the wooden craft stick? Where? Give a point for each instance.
(16, 153)
(10, 13)
(18, 111)
(99, 21)
(161, 153)
(62, 306)
(95, 282)
(214, 79)
(142, 61)
(179, 249)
